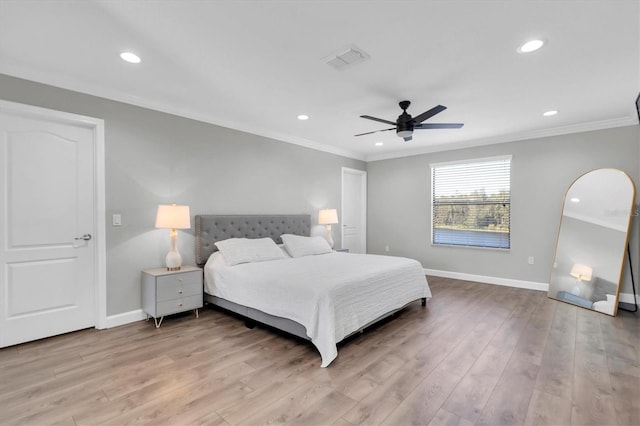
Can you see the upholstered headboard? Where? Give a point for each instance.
(212, 228)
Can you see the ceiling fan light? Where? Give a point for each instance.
(404, 133)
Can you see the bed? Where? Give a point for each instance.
(323, 297)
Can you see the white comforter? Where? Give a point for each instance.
(331, 295)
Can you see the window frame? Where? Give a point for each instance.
(433, 166)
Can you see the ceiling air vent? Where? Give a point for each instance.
(346, 58)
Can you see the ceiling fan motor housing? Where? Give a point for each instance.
(404, 123)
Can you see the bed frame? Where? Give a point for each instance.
(212, 228)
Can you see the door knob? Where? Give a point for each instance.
(85, 237)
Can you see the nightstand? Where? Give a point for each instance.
(170, 292)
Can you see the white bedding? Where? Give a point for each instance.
(331, 295)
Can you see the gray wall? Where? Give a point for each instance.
(155, 158)
(399, 192)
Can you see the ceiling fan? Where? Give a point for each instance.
(405, 124)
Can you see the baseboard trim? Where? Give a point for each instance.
(629, 298)
(125, 318)
(530, 285)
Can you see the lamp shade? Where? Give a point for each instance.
(581, 272)
(328, 217)
(173, 217)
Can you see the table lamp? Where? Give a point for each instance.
(173, 217)
(581, 273)
(328, 217)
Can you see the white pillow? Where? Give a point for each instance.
(299, 246)
(246, 250)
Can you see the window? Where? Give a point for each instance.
(471, 203)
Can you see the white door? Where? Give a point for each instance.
(354, 210)
(47, 258)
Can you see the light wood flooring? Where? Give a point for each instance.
(477, 354)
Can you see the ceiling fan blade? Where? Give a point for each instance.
(368, 117)
(408, 138)
(428, 114)
(375, 131)
(438, 126)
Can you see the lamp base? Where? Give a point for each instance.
(576, 290)
(329, 236)
(173, 259)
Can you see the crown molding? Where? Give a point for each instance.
(84, 87)
(512, 137)
(119, 96)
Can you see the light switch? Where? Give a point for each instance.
(117, 220)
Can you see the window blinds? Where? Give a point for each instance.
(471, 203)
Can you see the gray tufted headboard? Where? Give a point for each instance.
(212, 228)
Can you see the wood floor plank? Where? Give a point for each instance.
(546, 409)
(473, 391)
(422, 404)
(476, 354)
(386, 397)
(310, 404)
(556, 369)
(626, 397)
(509, 401)
(593, 402)
(445, 418)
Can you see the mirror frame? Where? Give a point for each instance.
(624, 259)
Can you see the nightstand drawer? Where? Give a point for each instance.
(179, 285)
(179, 305)
(181, 278)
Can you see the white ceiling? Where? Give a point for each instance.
(256, 65)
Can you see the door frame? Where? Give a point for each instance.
(96, 125)
(363, 203)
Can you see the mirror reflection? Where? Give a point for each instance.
(592, 241)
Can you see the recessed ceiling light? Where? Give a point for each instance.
(575, 200)
(130, 57)
(550, 113)
(379, 143)
(531, 46)
(303, 117)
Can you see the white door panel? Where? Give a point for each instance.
(28, 278)
(47, 187)
(354, 213)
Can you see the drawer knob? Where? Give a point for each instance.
(180, 305)
(180, 279)
(180, 292)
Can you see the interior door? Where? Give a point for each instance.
(354, 210)
(47, 258)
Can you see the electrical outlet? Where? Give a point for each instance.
(531, 260)
(116, 220)
(386, 248)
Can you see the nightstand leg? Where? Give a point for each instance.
(158, 323)
(197, 314)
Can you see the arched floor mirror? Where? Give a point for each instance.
(592, 240)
